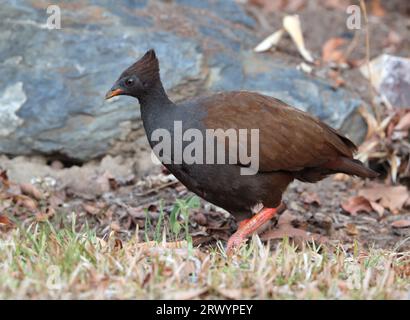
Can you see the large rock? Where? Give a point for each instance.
(52, 82)
(391, 78)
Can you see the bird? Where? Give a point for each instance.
(291, 145)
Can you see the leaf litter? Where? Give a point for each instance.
(291, 24)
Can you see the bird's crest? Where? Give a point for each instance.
(146, 68)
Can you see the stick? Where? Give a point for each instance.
(371, 88)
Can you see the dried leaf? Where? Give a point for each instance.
(200, 218)
(44, 216)
(341, 177)
(404, 123)
(331, 52)
(4, 179)
(286, 218)
(291, 232)
(50, 211)
(118, 244)
(103, 182)
(377, 9)
(351, 229)
(367, 150)
(26, 202)
(372, 125)
(295, 5)
(311, 198)
(41, 216)
(392, 198)
(141, 213)
(115, 226)
(269, 42)
(357, 204)
(91, 209)
(401, 224)
(31, 191)
(102, 242)
(305, 67)
(284, 228)
(292, 25)
(335, 4)
(403, 270)
(56, 200)
(394, 162)
(377, 207)
(5, 221)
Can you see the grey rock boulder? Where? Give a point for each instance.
(52, 82)
(391, 78)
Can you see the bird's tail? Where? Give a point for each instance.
(352, 167)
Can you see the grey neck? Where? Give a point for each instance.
(155, 108)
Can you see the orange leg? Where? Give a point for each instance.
(249, 226)
(242, 223)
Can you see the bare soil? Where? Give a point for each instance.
(314, 209)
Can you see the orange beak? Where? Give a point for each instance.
(113, 93)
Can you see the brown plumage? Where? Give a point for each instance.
(291, 140)
(292, 144)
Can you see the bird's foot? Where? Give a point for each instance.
(234, 242)
(249, 226)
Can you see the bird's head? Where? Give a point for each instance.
(138, 79)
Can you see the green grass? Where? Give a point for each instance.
(42, 261)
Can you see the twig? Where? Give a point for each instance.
(372, 102)
(156, 189)
(352, 46)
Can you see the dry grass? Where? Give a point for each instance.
(40, 261)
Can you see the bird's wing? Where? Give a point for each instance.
(289, 139)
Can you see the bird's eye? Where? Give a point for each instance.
(129, 82)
